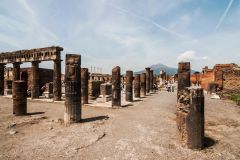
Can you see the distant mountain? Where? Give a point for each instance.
(158, 67)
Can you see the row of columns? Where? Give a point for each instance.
(149, 80)
(57, 86)
(142, 84)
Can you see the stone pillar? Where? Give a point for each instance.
(129, 86)
(183, 75)
(72, 89)
(143, 84)
(190, 118)
(137, 86)
(2, 66)
(57, 84)
(151, 81)
(19, 97)
(154, 82)
(16, 73)
(84, 85)
(35, 80)
(116, 87)
(147, 80)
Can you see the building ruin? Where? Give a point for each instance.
(35, 56)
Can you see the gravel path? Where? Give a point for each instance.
(144, 130)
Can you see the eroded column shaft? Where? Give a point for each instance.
(116, 86)
(16, 74)
(151, 80)
(147, 80)
(137, 86)
(57, 85)
(129, 86)
(143, 85)
(2, 66)
(16, 71)
(190, 118)
(19, 97)
(84, 85)
(183, 75)
(72, 89)
(35, 80)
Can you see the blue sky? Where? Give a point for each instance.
(130, 33)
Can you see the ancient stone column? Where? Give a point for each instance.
(143, 85)
(147, 80)
(16, 73)
(2, 66)
(137, 86)
(35, 80)
(57, 85)
(183, 75)
(190, 118)
(72, 89)
(151, 81)
(19, 97)
(129, 86)
(84, 85)
(116, 87)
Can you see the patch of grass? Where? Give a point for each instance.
(235, 97)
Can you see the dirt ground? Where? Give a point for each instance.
(144, 130)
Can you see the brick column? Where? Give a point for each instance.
(143, 84)
(116, 87)
(129, 87)
(57, 84)
(2, 66)
(147, 80)
(84, 85)
(72, 89)
(35, 80)
(137, 86)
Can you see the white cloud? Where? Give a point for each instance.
(190, 56)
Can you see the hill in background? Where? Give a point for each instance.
(158, 67)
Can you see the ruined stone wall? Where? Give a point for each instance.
(45, 75)
(195, 78)
(206, 78)
(215, 75)
(231, 81)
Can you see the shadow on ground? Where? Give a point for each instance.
(34, 113)
(92, 119)
(209, 142)
(137, 100)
